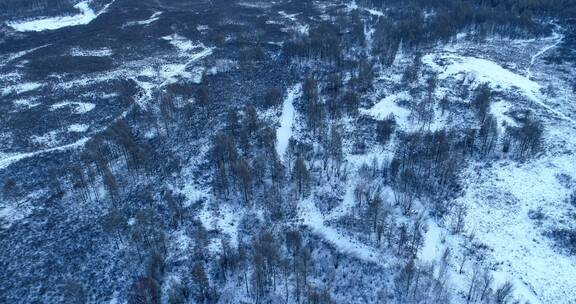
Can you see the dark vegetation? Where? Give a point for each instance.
(104, 220)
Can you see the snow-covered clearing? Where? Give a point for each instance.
(289, 16)
(483, 71)
(85, 16)
(487, 71)
(8, 159)
(192, 52)
(498, 202)
(284, 132)
(434, 246)
(387, 106)
(500, 109)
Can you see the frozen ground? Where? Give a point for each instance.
(388, 106)
(9, 159)
(499, 197)
(85, 16)
(284, 132)
(313, 218)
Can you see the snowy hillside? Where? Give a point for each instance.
(288, 151)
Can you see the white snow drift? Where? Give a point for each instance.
(85, 16)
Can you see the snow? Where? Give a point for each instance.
(26, 103)
(314, 219)
(182, 43)
(78, 107)
(498, 203)
(193, 194)
(8, 159)
(46, 140)
(79, 128)
(387, 106)
(347, 203)
(155, 17)
(374, 12)
(557, 38)
(483, 71)
(499, 109)
(103, 52)
(85, 16)
(299, 27)
(193, 52)
(223, 218)
(433, 243)
(20, 54)
(284, 132)
(487, 71)
(9, 215)
(22, 88)
(289, 16)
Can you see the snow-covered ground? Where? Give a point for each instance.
(77, 107)
(298, 26)
(498, 198)
(85, 16)
(450, 63)
(79, 128)
(153, 18)
(388, 106)
(284, 132)
(315, 220)
(22, 88)
(191, 52)
(8, 159)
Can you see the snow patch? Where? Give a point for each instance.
(487, 71)
(8, 159)
(284, 132)
(26, 103)
(85, 16)
(77, 107)
(192, 52)
(10, 215)
(155, 17)
(387, 106)
(78, 128)
(22, 88)
(103, 52)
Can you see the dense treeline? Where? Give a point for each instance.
(416, 23)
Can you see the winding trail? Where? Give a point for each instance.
(308, 214)
(557, 38)
(315, 220)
